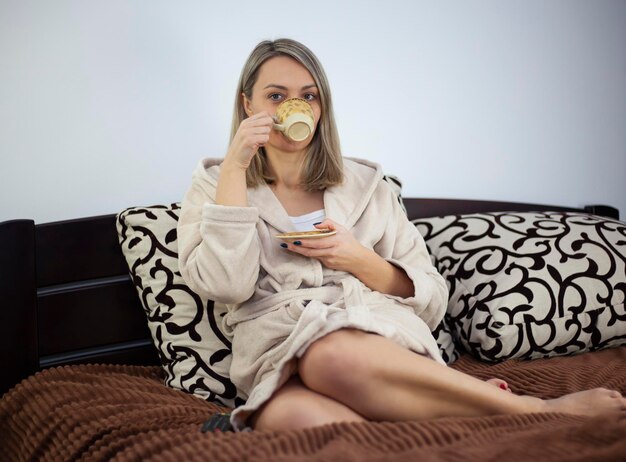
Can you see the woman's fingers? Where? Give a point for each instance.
(260, 119)
(319, 247)
(327, 224)
(260, 139)
(263, 130)
(257, 126)
(252, 133)
(314, 252)
(256, 132)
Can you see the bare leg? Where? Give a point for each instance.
(384, 381)
(294, 406)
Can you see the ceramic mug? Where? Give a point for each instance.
(295, 119)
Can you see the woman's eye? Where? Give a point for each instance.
(275, 96)
(310, 96)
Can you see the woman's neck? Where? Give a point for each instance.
(286, 167)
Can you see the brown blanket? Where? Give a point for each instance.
(104, 412)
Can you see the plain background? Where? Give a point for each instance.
(110, 104)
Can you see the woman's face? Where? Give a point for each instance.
(281, 78)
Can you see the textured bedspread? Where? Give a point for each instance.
(103, 412)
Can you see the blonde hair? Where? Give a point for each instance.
(323, 165)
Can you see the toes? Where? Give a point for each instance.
(499, 383)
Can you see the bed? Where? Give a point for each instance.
(82, 378)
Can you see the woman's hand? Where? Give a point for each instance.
(253, 133)
(340, 251)
(343, 252)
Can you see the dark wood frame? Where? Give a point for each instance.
(67, 297)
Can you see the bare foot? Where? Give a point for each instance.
(588, 402)
(500, 384)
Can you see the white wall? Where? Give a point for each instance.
(110, 104)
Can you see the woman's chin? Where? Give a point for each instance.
(288, 145)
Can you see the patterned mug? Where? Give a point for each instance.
(295, 119)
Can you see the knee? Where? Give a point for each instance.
(335, 361)
(288, 411)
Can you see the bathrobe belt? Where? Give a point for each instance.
(320, 298)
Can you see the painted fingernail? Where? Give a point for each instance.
(318, 223)
(503, 386)
(284, 246)
(297, 243)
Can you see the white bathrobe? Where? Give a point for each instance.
(280, 302)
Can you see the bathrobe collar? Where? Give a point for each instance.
(343, 203)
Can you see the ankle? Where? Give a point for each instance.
(531, 404)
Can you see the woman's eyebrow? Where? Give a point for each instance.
(282, 87)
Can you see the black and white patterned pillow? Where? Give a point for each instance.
(445, 339)
(185, 328)
(533, 284)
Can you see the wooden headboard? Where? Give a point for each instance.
(67, 297)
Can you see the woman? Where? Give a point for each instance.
(336, 328)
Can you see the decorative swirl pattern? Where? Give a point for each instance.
(531, 285)
(194, 352)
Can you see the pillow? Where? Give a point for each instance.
(193, 350)
(531, 285)
(445, 339)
